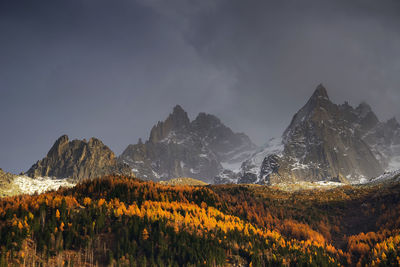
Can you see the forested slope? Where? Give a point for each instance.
(123, 221)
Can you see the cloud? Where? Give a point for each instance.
(279, 52)
(112, 69)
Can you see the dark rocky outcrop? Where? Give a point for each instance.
(78, 160)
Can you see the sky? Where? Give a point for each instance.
(113, 68)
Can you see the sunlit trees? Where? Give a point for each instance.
(122, 220)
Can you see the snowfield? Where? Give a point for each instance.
(27, 185)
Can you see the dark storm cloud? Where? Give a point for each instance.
(111, 69)
(280, 50)
(92, 68)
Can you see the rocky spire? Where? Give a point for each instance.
(58, 146)
(323, 140)
(367, 118)
(178, 117)
(363, 109)
(393, 123)
(313, 106)
(204, 122)
(320, 93)
(177, 120)
(318, 99)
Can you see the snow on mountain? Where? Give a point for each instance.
(393, 176)
(250, 166)
(324, 142)
(179, 147)
(27, 185)
(394, 162)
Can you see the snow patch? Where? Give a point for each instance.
(156, 174)
(329, 183)
(299, 166)
(194, 171)
(29, 185)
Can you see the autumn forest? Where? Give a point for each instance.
(122, 221)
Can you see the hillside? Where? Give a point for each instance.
(124, 221)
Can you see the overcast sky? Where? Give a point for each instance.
(113, 68)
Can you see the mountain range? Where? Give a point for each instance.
(323, 142)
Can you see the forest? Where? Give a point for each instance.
(124, 221)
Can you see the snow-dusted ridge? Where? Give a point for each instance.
(387, 176)
(250, 161)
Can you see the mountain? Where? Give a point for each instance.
(326, 142)
(178, 147)
(78, 159)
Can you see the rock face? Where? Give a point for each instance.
(5, 178)
(330, 142)
(178, 147)
(6, 183)
(384, 140)
(78, 160)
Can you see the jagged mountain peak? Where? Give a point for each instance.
(78, 159)
(176, 121)
(202, 116)
(392, 122)
(320, 92)
(93, 141)
(57, 146)
(178, 147)
(323, 142)
(319, 98)
(317, 108)
(63, 139)
(178, 118)
(363, 109)
(179, 113)
(178, 109)
(205, 122)
(366, 117)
